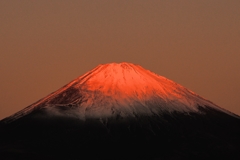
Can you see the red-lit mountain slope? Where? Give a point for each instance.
(121, 111)
(122, 89)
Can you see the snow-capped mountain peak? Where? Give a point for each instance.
(118, 89)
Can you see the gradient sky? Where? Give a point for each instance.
(47, 43)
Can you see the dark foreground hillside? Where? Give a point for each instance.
(213, 135)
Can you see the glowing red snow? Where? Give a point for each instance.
(119, 88)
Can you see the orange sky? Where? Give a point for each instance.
(45, 44)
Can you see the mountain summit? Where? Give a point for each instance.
(118, 89)
(121, 110)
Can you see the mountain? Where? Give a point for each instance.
(121, 111)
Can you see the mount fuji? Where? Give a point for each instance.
(121, 111)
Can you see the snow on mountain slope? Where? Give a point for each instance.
(118, 89)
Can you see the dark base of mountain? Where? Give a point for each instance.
(212, 135)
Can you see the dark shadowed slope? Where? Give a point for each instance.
(121, 111)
